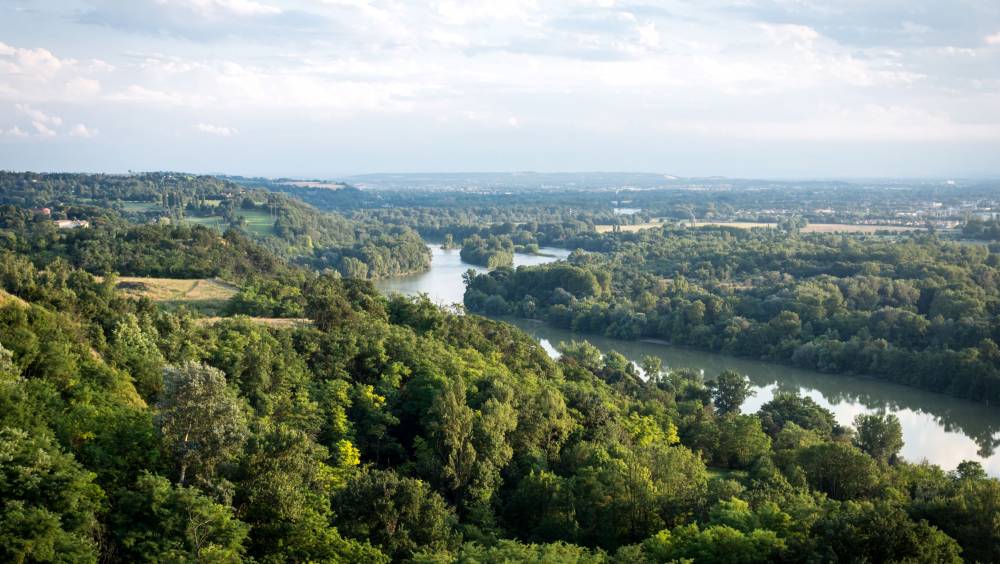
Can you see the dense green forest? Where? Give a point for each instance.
(914, 310)
(492, 252)
(375, 429)
(285, 226)
(391, 430)
(988, 229)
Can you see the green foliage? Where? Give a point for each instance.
(729, 391)
(398, 514)
(879, 435)
(492, 252)
(201, 419)
(390, 429)
(48, 503)
(156, 521)
(916, 310)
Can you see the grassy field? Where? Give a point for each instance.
(210, 221)
(811, 228)
(205, 295)
(629, 228)
(816, 227)
(141, 207)
(259, 222)
(843, 228)
(275, 322)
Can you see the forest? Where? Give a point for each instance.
(388, 429)
(491, 252)
(914, 309)
(286, 226)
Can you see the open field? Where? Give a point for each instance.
(203, 294)
(209, 221)
(811, 228)
(314, 184)
(629, 228)
(275, 322)
(843, 228)
(736, 224)
(259, 222)
(816, 227)
(141, 207)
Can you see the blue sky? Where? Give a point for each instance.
(753, 88)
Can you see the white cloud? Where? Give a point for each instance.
(16, 132)
(564, 67)
(220, 130)
(83, 87)
(82, 131)
(42, 129)
(872, 122)
(38, 115)
(648, 36)
(143, 95)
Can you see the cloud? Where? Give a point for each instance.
(30, 75)
(82, 131)
(38, 115)
(872, 122)
(16, 132)
(202, 20)
(42, 129)
(220, 130)
(777, 69)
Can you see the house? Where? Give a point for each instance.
(72, 223)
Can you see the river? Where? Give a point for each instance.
(941, 429)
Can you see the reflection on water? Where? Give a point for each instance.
(443, 281)
(942, 429)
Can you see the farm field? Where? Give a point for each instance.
(207, 221)
(258, 222)
(141, 207)
(274, 322)
(844, 228)
(204, 294)
(816, 227)
(629, 228)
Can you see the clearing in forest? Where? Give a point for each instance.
(204, 294)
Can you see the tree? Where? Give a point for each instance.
(741, 441)
(156, 521)
(841, 470)
(730, 390)
(136, 352)
(48, 502)
(716, 543)
(652, 367)
(400, 515)
(202, 421)
(879, 435)
(787, 408)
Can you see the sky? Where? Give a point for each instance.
(326, 88)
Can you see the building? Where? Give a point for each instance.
(72, 223)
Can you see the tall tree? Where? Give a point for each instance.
(880, 435)
(203, 422)
(729, 391)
